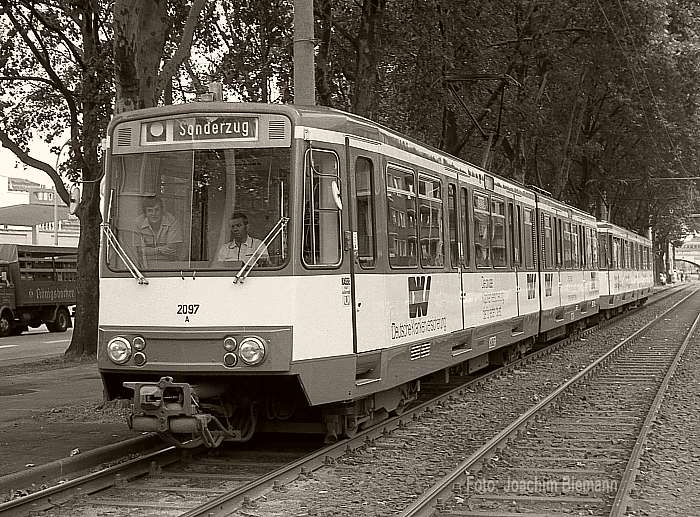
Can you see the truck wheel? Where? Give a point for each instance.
(62, 322)
(5, 324)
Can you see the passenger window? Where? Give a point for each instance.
(401, 217)
(431, 225)
(567, 245)
(482, 230)
(548, 242)
(498, 235)
(529, 244)
(515, 225)
(321, 239)
(594, 249)
(464, 218)
(452, 222)
(364, 208)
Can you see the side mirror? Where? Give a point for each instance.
(74, 200)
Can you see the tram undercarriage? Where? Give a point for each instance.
(190, 415)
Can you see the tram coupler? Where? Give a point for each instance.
(171, 409)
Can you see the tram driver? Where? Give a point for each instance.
(160, 235)
(243, 246)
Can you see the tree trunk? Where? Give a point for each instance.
(367, 48)
(140, 32)
(84, 341)
(450, 141)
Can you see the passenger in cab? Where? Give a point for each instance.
(160, 234)
(243, 246)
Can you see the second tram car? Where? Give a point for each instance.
(366, 262)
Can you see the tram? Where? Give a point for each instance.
(368, 262)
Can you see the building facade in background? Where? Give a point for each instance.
(28, 215)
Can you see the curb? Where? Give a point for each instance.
(59, 468)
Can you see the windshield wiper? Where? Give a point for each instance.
(248, 266)
(114, 243)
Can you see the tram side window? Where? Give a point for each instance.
(498, 232)
(558, 241)
(575, 247)
(452, 222)
(464, 223)
(616, 253)
(431, 225)
(604, 247)
(567, 245)
(528, 239)
(401, 217)
(364, 208)
(321, 238)
(482, 229)
(594, 248)
(514, 231)
(548, 242)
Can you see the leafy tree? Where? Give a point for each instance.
(55, 73)
(247, 46)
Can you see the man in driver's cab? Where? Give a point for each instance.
(160, 234)
(243, 246)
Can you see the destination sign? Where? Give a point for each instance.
(202, 128)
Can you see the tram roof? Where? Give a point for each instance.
(606, 226)
(332, 119)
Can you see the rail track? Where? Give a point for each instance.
(194, 483)
(577, 451)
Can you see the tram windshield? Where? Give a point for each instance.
(199, 209)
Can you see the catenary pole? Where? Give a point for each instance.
(304, 77)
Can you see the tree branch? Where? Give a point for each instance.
(61, 35)
(24, 157)
(183, 50)
(28, 78)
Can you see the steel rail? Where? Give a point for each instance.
(620, 504)
(430, 501)
(90, 483)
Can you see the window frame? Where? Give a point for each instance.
(307, 168)
(414, 195)
(371, 203)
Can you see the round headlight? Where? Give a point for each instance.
(230, 344)
(139, 343)
(119, 350)
(252, 350)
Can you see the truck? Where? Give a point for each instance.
(38, 285)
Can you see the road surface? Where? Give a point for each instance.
(35, 344)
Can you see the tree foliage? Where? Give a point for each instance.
(595, 102)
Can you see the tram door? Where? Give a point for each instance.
(369, 295)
